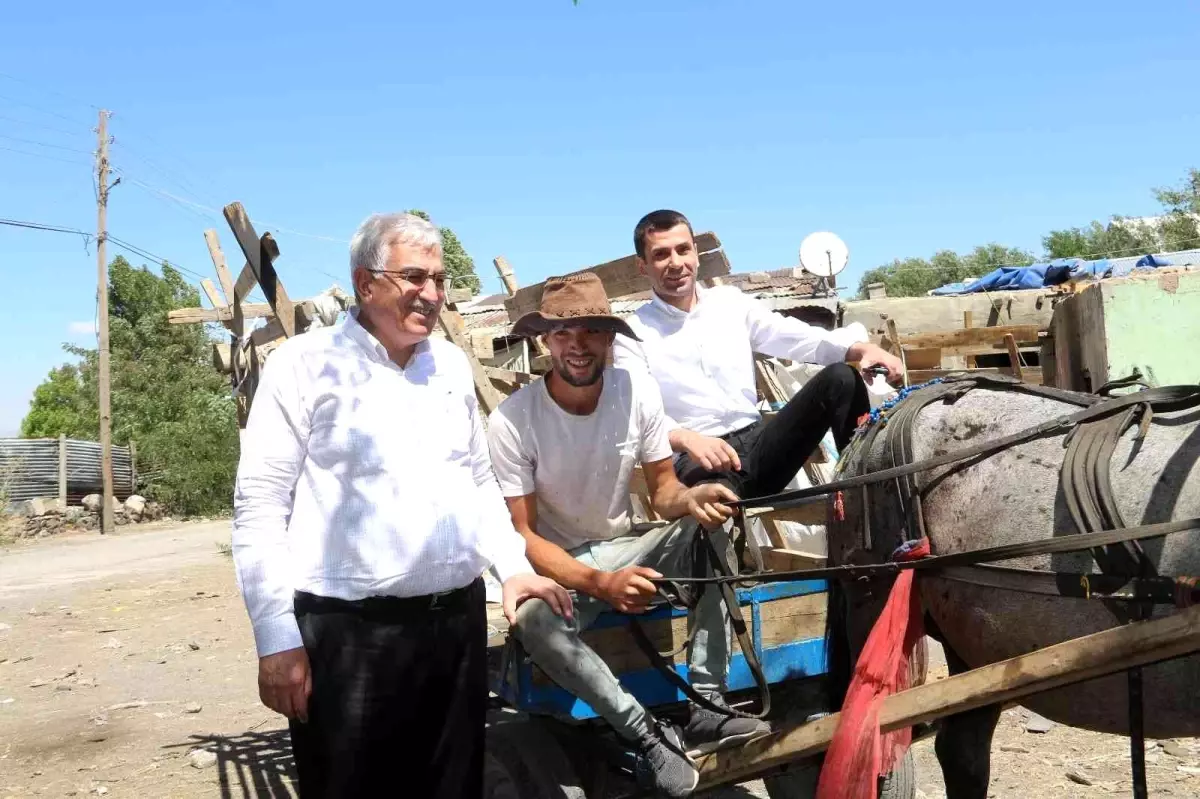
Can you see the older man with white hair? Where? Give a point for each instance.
(365, 514)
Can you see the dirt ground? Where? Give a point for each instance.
(120, 657)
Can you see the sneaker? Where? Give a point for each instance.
(708, 731)
(662, 764)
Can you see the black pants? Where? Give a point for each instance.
(399, 697)
(773, 452)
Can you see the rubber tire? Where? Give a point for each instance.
(902, 782)
(798, 782)
(801, 782)
(531, 758)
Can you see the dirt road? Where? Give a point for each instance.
(121, 656)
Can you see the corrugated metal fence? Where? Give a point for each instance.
(29, 468)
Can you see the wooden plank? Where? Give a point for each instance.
(783, 621)
(506, 274)
(506, 381)
(451, 324)
(1014, 356)
(621, 277)
(974, 337)
(210, 291)
(916, 315)
(245, 282)
(782, 559)
(1029, 374)
(189, 316)
(893, 339)
(218, 259)
(1077, 660)
(258, 252)
(815, 512)
(968, 322)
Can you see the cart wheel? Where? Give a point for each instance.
(902, 782)
(497, 782)
(798, 782)
(526, 762)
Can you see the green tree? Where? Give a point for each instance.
(459, 265)
(165, 394)
(1118, 239)
(914, 277)
(1180, 230)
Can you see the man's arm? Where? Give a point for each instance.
(629, 590)
(672, 500)
(782, 336)
(274, 445)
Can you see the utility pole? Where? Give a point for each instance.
(106, 470)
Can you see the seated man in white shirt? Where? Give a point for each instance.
(365, 514)
(698, 345)
(564, 449)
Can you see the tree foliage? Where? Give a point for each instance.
(1176, 229)
(459, 265)
(165, 394)
(912, 277)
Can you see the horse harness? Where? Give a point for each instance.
(1128, 582)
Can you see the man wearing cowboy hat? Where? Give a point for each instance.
(564, 449)
(698, 345)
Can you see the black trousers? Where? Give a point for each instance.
(399, 696)
(773, 452)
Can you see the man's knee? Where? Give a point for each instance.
(840, 379)
(535, 621)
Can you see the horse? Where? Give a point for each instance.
(1015, 494)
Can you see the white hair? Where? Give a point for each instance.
(371, 245)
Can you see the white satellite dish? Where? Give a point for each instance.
(823, 254)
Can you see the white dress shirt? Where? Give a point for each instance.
(703, 360)
(360, 478)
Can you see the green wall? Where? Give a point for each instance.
(1153, 324)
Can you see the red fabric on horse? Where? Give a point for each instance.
(858, 754)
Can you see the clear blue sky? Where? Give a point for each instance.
(542, 130)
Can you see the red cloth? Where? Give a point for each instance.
(858, 754)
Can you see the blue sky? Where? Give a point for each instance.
(543, 130)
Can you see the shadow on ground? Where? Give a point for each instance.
(252, 765)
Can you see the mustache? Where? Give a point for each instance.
(421, 306)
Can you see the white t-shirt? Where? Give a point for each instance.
(578, 466)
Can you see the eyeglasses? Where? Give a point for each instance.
(417, 277)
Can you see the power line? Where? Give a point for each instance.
(41, 125)
(43, 155)
(45, 144)
(136, 250)
(49, 90)
(38, 108)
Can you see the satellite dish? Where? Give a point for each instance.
(823, 254)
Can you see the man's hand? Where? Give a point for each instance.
(520, 587)
(711, 453)
(869, 355)
(705, 502)
(285, 682)
(629, 590)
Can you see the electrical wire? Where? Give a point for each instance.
(43, 155)
(51, 128)
(45, 144)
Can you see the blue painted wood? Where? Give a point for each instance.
(789, 661)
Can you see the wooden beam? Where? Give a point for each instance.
(969, 322)
(210, 291)
(451, 324)
(1014, 356)
(1118, 649)
(1029, 374)
(506, 274)
(781, 559)
(621, 277)
(188, 316)
(260, 254)
(218, 259)
(814, 512)
(973, 337)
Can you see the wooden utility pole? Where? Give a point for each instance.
(106, 468)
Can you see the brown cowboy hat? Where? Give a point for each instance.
(574, 300)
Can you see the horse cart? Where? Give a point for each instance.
(1109, 622)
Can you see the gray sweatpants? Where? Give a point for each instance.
(555, 646)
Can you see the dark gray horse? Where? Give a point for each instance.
(1012, 496)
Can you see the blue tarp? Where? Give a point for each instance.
(1060, 270)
